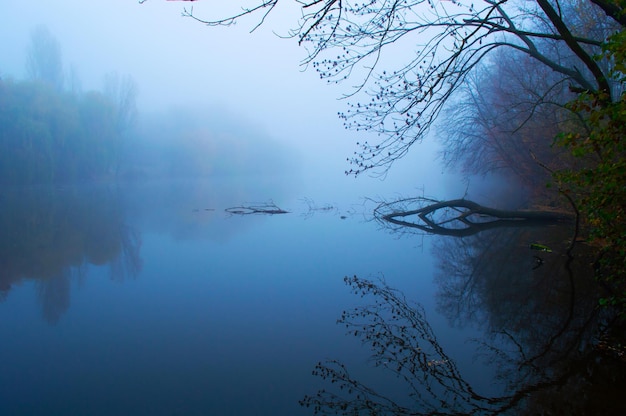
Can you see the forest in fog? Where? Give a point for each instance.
(464, 171)
(54, 132)
(534, 94)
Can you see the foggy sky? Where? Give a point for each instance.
(256, 77)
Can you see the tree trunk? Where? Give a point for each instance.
(484, 218)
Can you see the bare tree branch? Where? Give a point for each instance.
(459, 217)
(442, 43)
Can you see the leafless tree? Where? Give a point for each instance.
(505, 116)
(441, 43)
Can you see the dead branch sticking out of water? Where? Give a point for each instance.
(313, 207)
(269, 208)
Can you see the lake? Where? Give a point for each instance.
(177, 299)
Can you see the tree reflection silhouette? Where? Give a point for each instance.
(538, 311)
(50, 235)
(403, 343)
(491, 281)
(54, 295)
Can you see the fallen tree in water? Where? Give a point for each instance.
(268, 209)
(459, 217)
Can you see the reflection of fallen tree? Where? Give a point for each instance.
(459, 217)
(269, 209)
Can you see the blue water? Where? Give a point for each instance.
(219, 314)
(153, 299)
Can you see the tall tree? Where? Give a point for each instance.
(505, 118)
(44, 60)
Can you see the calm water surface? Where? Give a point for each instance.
(153, 300)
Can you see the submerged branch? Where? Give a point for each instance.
(268, 209)
(467, 218)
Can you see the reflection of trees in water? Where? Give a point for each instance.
(498, 269)
(127, 264)
(51, 235)
(54, 294)
(540, 316)
(492, 280)
(403, 343)
(546, 313)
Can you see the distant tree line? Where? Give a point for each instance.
(51, 131)
(201, 142)
(50, 134)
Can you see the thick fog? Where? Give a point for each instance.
(228, 82)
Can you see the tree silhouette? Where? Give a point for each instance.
(403, 343)
(505, 118)
(447, 41)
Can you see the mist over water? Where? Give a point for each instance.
(246, 90)
(178, 236)
(155, 300)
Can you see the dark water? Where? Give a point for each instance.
(153, 300)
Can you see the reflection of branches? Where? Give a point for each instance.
(448, 39)
(313, 208)
(460, 262)
(489, 280)
(54, 295)
(457, 218)
(128, 263)
(268, 208)
(325, 402)
(402, 342)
